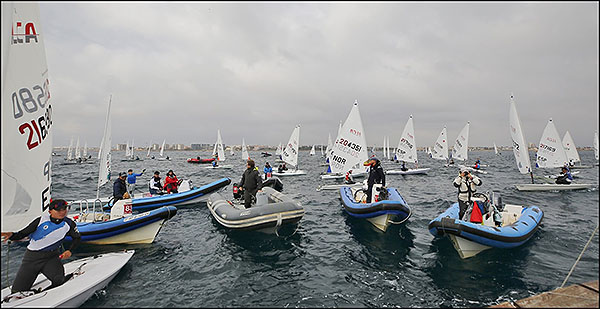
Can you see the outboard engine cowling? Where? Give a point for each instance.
(236, 191)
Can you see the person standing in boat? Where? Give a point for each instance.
(120, 188)
(376, 175)
(131, 178)
(155, 186)
(251, 183)
(268, 170)
(565, 177)
(46, 235)
(467, 186)
(171, 182)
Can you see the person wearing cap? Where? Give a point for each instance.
(131, 178)
(565, 177)
(46, 235)
(376, 175)
(466, 184)
(120, 188)
(155, 186)
(171, 182)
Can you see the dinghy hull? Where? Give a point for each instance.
(552, 187)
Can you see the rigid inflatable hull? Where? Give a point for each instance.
(201, 161)
(394, 205)
(509, 236)
(96, 232)
(192, 196)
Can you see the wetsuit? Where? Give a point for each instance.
(466, 189)
(119, 188)
(251, 183)
(42, 255)
(564, 179)
(376, 175)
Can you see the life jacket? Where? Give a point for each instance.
(49, 235)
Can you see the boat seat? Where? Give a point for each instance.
(511, 214)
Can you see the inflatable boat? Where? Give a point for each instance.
(186, 196)
(379, 213)
(120, 226)
(271, 211)
(518, 224)
(201, 161)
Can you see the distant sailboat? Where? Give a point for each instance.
(596, 152)
(290, 155)
(496, 149)
(571, 152)
(245, 155)
(440, 148)
(161, 153)
(460, 150)
(312, 151)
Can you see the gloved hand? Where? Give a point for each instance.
(143, 171)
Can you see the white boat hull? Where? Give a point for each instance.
(141, 235)
(466, 248)
(289, 173)
(219, 166)
(355, 174)
(381, 222)
(414, 171)
(96, 273)
(553, 187)
(337, 186)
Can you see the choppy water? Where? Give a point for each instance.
(334, 260)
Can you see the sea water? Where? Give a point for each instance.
(332, 259)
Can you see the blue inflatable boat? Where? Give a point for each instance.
(192, 196)
(379, 213)
(519, 223)
(133, 229)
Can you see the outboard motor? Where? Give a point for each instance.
(499, 204)
(383, 194)
(236, 191)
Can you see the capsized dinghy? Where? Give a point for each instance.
(271, 211)
(519, 223)
(379, 213)
(89, 275)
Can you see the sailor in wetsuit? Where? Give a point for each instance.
(565, 177)
(376, 175)
(46, 235)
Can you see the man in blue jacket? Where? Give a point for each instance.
(131, 178)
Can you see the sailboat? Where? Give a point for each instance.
(129, 153)
(551, 154)
(161, 153)
(440, 148)
(407, 151)
(312, 151)
(596, 152)
(571, 152)
(219, 153)
(149, 147)
(70, 159)
(357, 170)
(245, 155)
(26, 161)
(350, 151)
(77, 151)
(496, 150)
(289, 155)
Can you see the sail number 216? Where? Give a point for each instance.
(23, 101)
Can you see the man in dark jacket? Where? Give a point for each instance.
(376, 175)
(251, 182)
(119, 187)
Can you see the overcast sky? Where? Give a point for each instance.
(181, 71)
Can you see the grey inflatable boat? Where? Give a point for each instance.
(272, 210)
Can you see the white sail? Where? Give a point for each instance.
(77, 150)
(245, 155)
(570, 149)
(520, 148)
(219, 145)
(461, 144)
(279, 150)
(495, 148)
(407, 149)
(127, 150)
(149, 146)
(85, 154)
(27, 129)
(105, 156)
(70, 150)
(99, 152)
(387, 145)
(231, 151)
(132, 149)
(596, 145)
(322, 153)
(550, 150)
(440, 149)
(350, 147)
(312, 151)
(162, 148)
(329, 146)
(290, 153)
(383, 148)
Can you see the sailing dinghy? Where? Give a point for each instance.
(551, 154)
(407, 151)
(26, 169)
(571, 152)
(290, 155)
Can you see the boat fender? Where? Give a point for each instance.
(476, 216)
